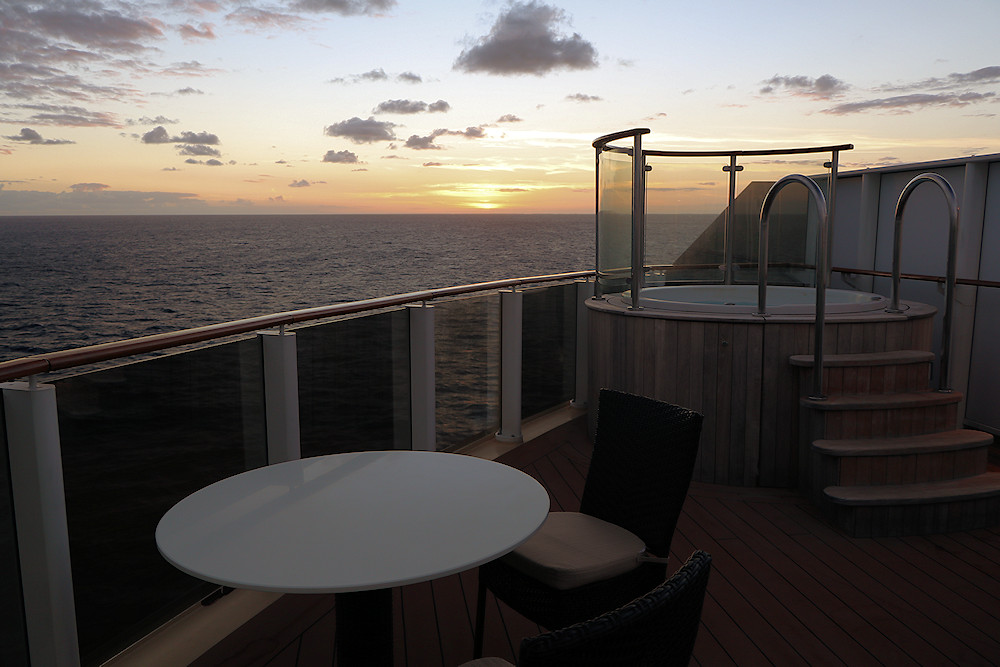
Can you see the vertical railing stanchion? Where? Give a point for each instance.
(727, 229)
(638, 219)
(39, 500)
(423, 422)
(584, 291)
(281, 396)
(510, 365)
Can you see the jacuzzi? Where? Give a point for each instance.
(781, 299)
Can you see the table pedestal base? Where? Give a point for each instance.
(364, 628)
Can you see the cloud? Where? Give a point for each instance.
(419, 143)
(89, 187)
(907, 103)
(580, 97)
(211, 163)
(198, 149)
(823, 87)
(68, 116)
(408, 77)
(300, 184)
(340, 157)
(433, 164)
(345, 7)
(411, 106)
(362, 131)
(190, 33)
(509, 118)
(30, 136)
(983, 75)
(523, 40)
(159, 135)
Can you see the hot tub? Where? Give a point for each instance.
(781, 300)
(704, 347)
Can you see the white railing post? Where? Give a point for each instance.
(423, 426)
(281, 396)
(40, 517)
(510, 365)
(584, 291)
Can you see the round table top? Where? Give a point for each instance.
(352, 522)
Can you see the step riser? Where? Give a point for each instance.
(873, 379)
(844, 424)
(900, 520)
(899, 469)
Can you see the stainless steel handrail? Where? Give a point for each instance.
(821, 270)
(944, 381)
(65, 359)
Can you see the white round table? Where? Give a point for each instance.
(363, 521)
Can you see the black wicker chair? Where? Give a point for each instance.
(644, 453)
(658, 628)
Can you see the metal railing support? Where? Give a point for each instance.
(727, 230)
(638, 220)
(510, 365)
(944, 381)
(40, 514)
(281, 396)
(584, 292)
(423, 426)
(821, 268)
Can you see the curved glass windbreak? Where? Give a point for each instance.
(792, 223)
(685, 219)
(614, 222)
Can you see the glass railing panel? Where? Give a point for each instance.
(354, 392)
(13, 640)
(548, 347)
(686, 200)
(792, 223)
(614, 222)
(135, 440)
(467, 368)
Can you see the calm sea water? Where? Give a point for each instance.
(69, 282)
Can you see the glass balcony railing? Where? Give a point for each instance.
(138, 435)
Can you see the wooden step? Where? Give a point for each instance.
(924, 508)
(926, 457)
(967, 488)
(869, 373)
(925, 443)
(894, 358)
(908, 399)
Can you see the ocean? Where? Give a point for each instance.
(73, 281)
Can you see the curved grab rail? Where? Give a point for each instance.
(949, 291)
(821, 271)
(601, 142)
(62, 360)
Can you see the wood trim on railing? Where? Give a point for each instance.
(54, 361)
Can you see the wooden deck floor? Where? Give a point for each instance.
(786, 589)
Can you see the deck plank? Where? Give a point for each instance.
(786, 588)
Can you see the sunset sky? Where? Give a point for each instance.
(422, 106)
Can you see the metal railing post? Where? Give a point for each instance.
(281, 396)
(638, 220)
(584, 291)
(40, 515)
(423, 426)
(944, 380)
(727, 229)
(510, 365)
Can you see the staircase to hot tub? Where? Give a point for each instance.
(883, 455)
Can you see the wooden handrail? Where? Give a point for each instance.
(62, 360)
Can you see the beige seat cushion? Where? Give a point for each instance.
(573, 549)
